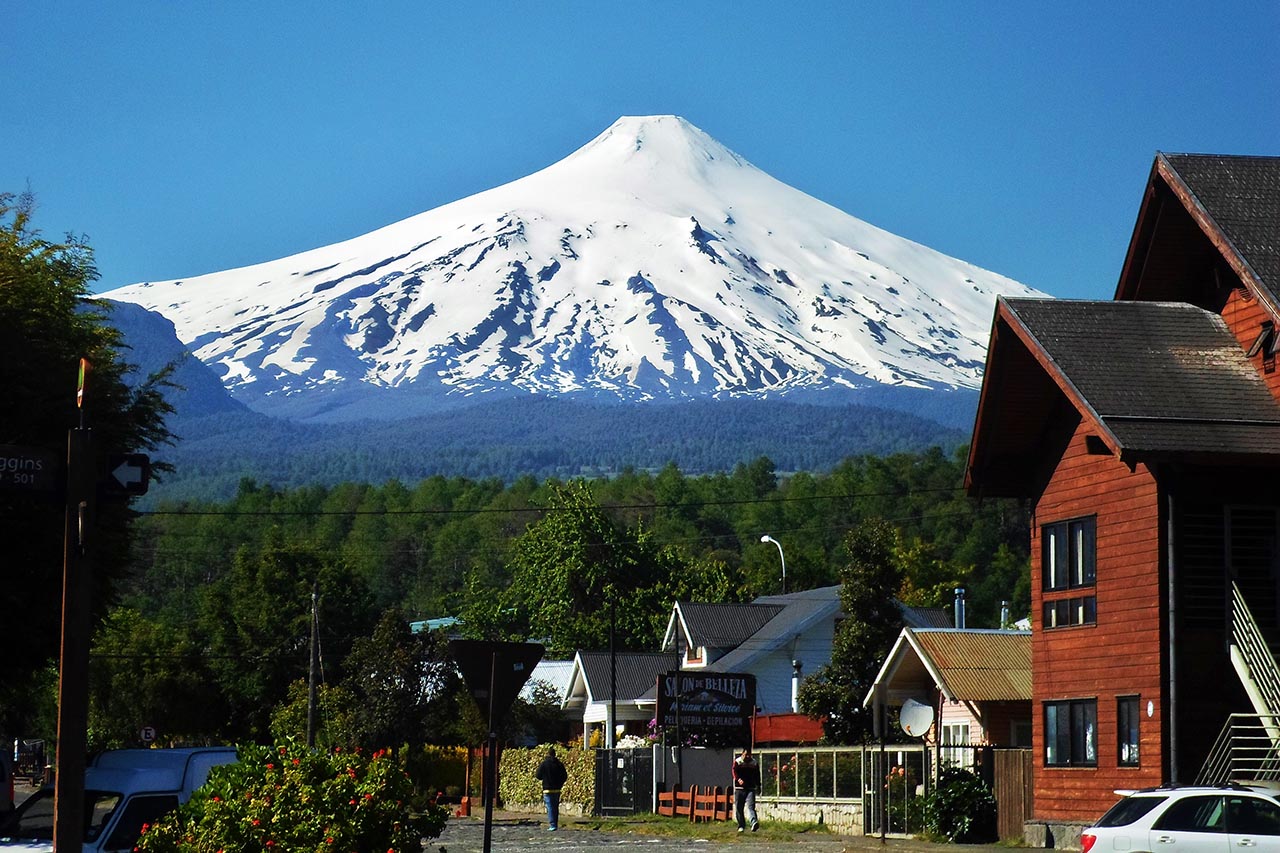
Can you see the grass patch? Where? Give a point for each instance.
(675, 827)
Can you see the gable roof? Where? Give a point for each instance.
(722, 626)
(1234, 201)
(637, 674)
(963, 664)
(1170, 380)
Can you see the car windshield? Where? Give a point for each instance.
(1128, 810)
(33, 820)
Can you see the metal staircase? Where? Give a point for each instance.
(1248, 747)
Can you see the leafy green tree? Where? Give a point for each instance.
(406, 688)
(145, 673)
(871, 581)
(257, 621)
(48, 321)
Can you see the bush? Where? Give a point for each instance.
(289, 798)
(516, 782)
(961, 808)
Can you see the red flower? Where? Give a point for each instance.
(296, 762)
(256, 821)
(271, 767)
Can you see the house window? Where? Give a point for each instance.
(1062, 612)
(1068, 553)
(1071, 733)
(1127, 717)
(954, 743)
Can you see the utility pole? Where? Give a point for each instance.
(315, 664)
(73, 669)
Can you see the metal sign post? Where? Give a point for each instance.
(494, 673)
(73, 678)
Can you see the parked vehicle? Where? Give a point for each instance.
(1188, 820)
(123, 790)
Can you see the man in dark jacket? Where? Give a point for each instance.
(746, 782)
(552, 775)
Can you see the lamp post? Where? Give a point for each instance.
(781, 556)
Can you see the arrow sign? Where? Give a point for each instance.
(128, 474)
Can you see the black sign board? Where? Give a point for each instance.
(505, 666)
(28, 469)
(709, 703)
(127, 474)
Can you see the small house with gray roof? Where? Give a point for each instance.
(776, 638)
(1145, 434)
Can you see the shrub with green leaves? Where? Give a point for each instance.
(961, 808)
(517, 785)
(290, 799)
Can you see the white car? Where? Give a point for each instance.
(124, 789)
(1188, 820)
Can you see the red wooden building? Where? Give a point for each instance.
(1145, 432)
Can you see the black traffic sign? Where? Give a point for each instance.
(27, 469)
(127, 474)
(505, 666)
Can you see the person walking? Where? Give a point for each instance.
(553, 776)
(746, 782)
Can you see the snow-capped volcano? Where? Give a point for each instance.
(651, 263)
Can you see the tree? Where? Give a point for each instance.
(257, 621)
(48, 322)
(144, 673)
(871, 580)
(405, 686)
(575, 573)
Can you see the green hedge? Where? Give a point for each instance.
(517, 784)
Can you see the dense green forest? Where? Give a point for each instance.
(208, 633)
(434, 547)
(541, 437)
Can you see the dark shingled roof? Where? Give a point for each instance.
(1163, 377)
(725, 626)
(1242, 197)
(637, 673)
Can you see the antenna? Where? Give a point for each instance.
(915, 718)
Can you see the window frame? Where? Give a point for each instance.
(1128, 731)
(1081, 719)
(1072, 542)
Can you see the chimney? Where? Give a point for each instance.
(1004, 615)
(960, 607)
(796, 668)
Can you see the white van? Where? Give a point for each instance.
(123, 789)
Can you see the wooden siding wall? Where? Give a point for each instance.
(1244, 316)
(1118, 656)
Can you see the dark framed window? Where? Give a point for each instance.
(1068, 551)
(1063, 612)
(1071, 733)
(1127, 716)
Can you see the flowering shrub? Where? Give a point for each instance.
(289, 798)
(961, 808)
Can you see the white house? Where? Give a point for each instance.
(589, 692)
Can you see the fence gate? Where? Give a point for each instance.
(624, 781)
(894, 783)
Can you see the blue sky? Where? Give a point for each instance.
(185, 138)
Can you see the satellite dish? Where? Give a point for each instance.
(915, 718)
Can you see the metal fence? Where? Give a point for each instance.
(624, 781)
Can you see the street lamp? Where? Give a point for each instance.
(781, 556)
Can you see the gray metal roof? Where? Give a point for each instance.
(800, 610)
(1242, 197)
(637, 673)
(1163, 377)
(724, 626)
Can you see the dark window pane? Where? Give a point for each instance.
(1194, 814)
(1128, 810)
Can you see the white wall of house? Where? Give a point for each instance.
(773, 671)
